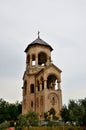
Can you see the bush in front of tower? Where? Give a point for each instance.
(29, 119)
(50, 117)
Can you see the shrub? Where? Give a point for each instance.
(4, 125)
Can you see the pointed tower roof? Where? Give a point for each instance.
(38, 41)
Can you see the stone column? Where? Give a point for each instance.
(45, 84)
(40, 86)
(59, 87)
(54, 86)
(47, 63)
(36, 89)
(36, 61)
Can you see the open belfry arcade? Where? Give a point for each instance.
(41, 80)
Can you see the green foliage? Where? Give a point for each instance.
(46, 116)
(54, 128)
(22, 120)
(50, 115)
(30, 119)
(53, 123)
(52, 112)
(14, 110)
(4, 110)
(75, 112)
(9, 111)
(4, 125)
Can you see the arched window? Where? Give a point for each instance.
(25, 87)
(32, 104)
(42, 59)
(32, 88)
(28, 59)
(33, 60)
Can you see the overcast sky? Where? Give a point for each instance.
(62, 24)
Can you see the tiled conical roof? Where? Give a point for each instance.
(38, 41)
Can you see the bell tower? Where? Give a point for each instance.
(41, 80)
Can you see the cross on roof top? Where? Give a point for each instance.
(38, 34)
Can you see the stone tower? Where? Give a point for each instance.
(41, 80)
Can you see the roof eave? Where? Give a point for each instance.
(51, 49)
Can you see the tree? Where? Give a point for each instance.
(22, 121)
(14, 110)
(52, 112)
(75, 112)
(4, 114)
(65, 113)
(9, 111)
(46, 116)
(32, 118)
(50, 115)
(29, 119)
(83, 105)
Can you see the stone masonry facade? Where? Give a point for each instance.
(41, 80)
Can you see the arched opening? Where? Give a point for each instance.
(25, 87)
(32, 88)
(42, 59)
(33, 60)
(51, 82)
(28, 59)
(53, 101)
(32, 104)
